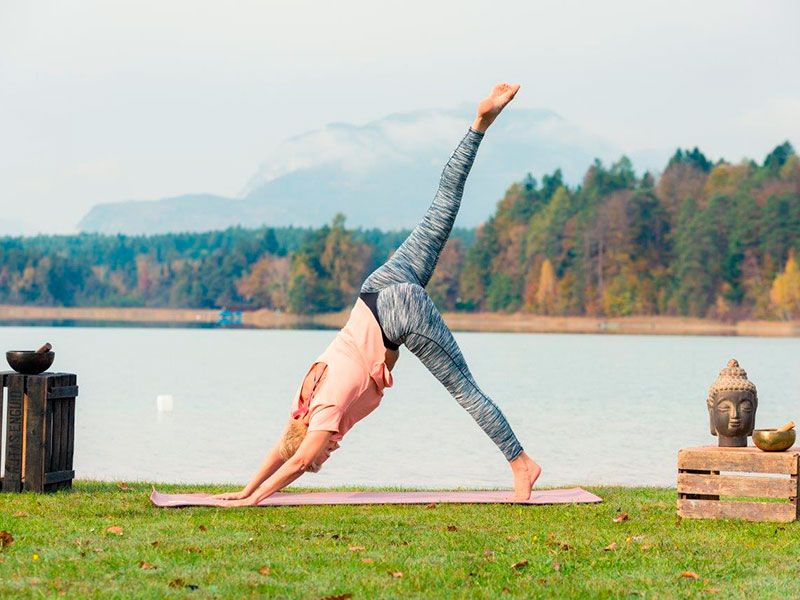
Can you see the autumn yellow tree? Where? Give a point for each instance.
(546, 290)
(785, 292)
(267, 282)
(343, 259)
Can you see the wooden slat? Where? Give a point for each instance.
(59, 476)
(64, 391)
(695, 496)
(48, 438)
(750, 460)
(2, 411)
(59, 443)
(73, 380)
(736, 485)
(12, 480)
(54, 380)
(33, 477)
(783, 512)
(56, 443)
(62, 451)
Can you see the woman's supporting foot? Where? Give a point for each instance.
(526, 472)
(496, 101)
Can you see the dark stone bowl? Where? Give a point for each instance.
(29, 362)
(770, 440)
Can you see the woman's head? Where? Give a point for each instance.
(292, 438)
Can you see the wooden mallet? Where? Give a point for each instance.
(787, 427)
(47, 347)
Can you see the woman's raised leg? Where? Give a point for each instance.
(415, 259)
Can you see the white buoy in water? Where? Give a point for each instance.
(164, 403)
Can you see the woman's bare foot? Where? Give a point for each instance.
(496, 101)
(526, 472)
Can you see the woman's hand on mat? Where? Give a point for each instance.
(249, 501)
(231, 495)
(496, 101)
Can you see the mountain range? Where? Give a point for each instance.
(381, 174)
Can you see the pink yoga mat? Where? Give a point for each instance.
(562, 496)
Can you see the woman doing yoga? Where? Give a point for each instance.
(347, 380)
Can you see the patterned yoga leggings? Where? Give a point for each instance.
(407, 314)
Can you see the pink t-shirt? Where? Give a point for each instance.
(355, 377)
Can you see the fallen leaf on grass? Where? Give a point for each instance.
(6, 539)
(452, 528)
(202, 528)
(488, 553)
(123, 487)
(156, 543)
(115, 529)
(556, 566)
(511, 538)
(344, 596)
(181, 583)
(712, 590)
(146, 565)
(563, 545)
(192, 549)
(355, 548)
(431, 505)
(610, 547)
(395, 574)
(690, 575)
(264, 571)
(19, 514)
(367, 561)
(506, 591)
(620, 518)
(520, 564)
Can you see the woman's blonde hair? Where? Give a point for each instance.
(292, 438)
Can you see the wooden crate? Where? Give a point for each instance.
(701, 482)
(40, 431)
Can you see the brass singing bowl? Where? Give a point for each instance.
(29, 362)
(771, 440)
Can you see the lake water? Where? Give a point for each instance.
(592, 409)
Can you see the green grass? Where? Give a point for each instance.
(61, 546)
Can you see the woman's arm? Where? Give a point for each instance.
(270, 464)
(315, 448)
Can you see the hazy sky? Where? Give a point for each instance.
(105, 101)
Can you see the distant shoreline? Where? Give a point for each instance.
(11, 315)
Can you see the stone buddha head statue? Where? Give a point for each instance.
(732, 403)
